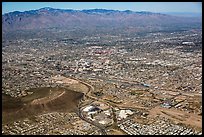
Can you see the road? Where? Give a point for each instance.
(102, 129)
(80, 114)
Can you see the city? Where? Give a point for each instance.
(103, 84)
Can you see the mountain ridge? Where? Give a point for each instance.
(83, 10)
(90, 18)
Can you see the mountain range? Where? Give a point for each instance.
(95, 19)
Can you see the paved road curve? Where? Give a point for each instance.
(103, 131)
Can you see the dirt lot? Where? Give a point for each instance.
(178, 116)
(116, 132)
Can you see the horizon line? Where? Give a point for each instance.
(100, 9)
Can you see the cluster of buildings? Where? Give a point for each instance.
(160, 127)
(127, 71)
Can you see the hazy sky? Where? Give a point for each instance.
(195, 7)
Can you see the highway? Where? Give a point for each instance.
(80, 114)
(102, 129)
(111, 105)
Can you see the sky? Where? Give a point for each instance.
(195, 7)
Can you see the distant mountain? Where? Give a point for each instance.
(94, 19)
(184, 14)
